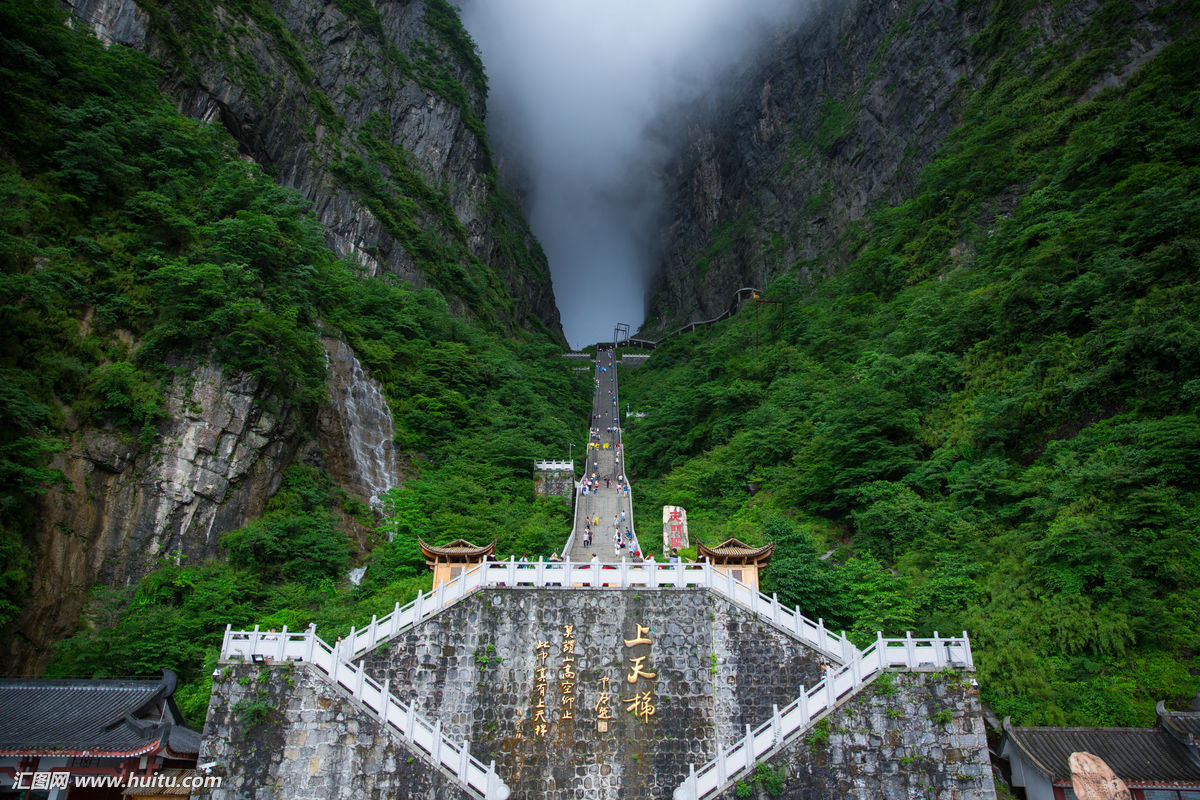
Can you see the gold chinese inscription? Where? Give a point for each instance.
(566, 674)
(602, 708)
(641, 704)
(541, 652)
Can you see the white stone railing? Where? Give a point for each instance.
(376, 699)
(554, 466)
(622, 575)
(737, 761)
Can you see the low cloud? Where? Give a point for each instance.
(579, 91)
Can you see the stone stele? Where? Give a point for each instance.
(1092, 779)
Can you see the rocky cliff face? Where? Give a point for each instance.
(125, 509)
(375, 118)
(842, 118)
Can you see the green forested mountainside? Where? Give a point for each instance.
(136, 242)
(990, 416)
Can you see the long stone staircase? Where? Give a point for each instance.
(852, 670)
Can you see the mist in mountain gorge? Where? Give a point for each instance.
(579, 105)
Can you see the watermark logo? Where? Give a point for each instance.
(65, 780)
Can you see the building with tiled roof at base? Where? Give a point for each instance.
(117, 728)
(738, 559)
(1159, 763)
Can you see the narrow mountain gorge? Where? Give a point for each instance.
(269, 317)
(968, 397)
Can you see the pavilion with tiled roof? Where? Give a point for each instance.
(92, 727)
(448, 560)
(1159, 763)
(738, 559)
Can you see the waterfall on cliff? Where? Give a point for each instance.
(364, 420)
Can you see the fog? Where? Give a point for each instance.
(578, 96)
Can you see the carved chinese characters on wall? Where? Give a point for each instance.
(640, 677)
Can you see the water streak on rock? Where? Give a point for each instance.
(364, 421)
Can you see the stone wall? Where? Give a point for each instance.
(907, 736)
(475, 668)
(707, 668)
(554, 483)
(285, 733)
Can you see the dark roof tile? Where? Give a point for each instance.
(1136, 755)
(80, 715)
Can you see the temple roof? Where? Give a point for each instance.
(1137, 755)
(113, 718)
(458, 550)
(737, 552)
(1185, 725)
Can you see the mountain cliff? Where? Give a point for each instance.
(968, 395)
(374, 113)
(843, 119)
(248, 245)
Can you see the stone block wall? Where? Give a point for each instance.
(476, 668)
(908, 736)
(525, 675)
(285, 733)
(554, 483)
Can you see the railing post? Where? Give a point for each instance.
(254, 638)
(708, 575)
(418, 607)
(512, 571)
(751, 756)
(372, 631)
(440, 601)
(967, 651)
(939, 655)
(722, 770)
(225, 641)
(387, 701)
(624, 573)
(802, 707)
(491, 781)
(540, 573)
(776, 727)
(856, 668)
(358, 689)
(282, 651)
(830, 690)
(464, 760)
(437, 743)
(821, 632)
(310, 644)
(910, 651)
(775, 607)
(798, 624)
(411, 721)
(652, 569)
(885, 662)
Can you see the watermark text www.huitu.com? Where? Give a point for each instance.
(64, 780)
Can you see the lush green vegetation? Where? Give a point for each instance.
(136, 243)
(990, 415)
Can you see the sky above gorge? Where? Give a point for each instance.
(579, 110)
